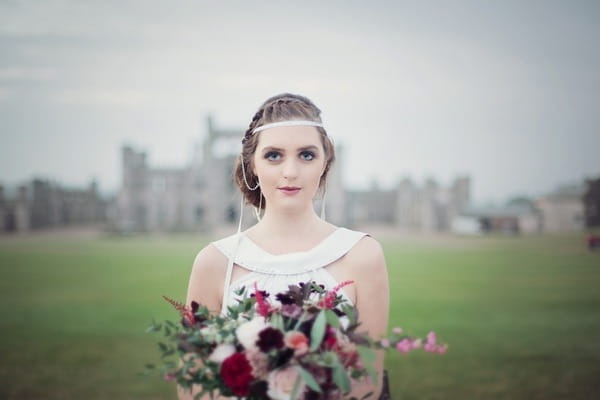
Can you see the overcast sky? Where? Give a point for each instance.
(507, 91)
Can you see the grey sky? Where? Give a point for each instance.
(507, 92)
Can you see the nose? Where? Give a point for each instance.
(290, 169)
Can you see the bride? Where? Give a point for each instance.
(286, 156)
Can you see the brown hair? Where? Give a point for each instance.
(283, 107)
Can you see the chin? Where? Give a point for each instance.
(292, 205)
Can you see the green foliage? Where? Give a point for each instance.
(318, 331)
(309, 380)
(518, 314)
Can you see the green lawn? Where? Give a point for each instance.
(521, 316)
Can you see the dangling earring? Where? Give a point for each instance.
(244, 175)
(257, 210)
(323, 203)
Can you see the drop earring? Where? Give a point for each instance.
(244, 175)
(257, 210)
(323, 203)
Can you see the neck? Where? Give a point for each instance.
(289, 223)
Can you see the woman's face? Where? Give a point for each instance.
(289, 162)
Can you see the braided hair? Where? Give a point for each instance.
(282, 107)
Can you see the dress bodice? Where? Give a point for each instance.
(274, 272)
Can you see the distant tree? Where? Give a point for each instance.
(591, 203)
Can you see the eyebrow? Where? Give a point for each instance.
(273, 148)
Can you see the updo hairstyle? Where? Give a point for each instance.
(282, 107)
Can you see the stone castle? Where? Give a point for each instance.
(202, 197)
(42, 203)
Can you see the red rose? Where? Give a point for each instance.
(236, 372)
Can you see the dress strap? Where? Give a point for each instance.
(231, 259)
(228, 274)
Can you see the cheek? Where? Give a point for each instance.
(265, 173)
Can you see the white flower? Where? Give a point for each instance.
(209, 333)
(221, 352)
(247, 333)
(281, 384)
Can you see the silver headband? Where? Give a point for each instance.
(287, 123)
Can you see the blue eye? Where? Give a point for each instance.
(308, 154)
(270, 156)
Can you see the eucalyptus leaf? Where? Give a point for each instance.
(340, 377)
(277, 321)
(296, 387)
(299, 322)
(171, 324)
(318, 331)
(332, 319)
(367, 356)
(309, 379)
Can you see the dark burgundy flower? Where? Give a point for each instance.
(281, 358)
(237, 373)
(258, 390)
(195, 307)
(291, 310)
(269, 338)
(338, 312)
(285, 298)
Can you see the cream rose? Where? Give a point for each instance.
(247, 333)
(281, 383)
(221, 352)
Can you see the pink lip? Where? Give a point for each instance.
(289, 190)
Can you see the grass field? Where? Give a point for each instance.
(521, 315)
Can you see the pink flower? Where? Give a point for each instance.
(262, 306)
(281, 383)
(384, 343)
(416, 343)
(298, 341)
(169, 376)
(259, 362)
(404, 346)
(430, 343)
(431, 337)
(329, 300)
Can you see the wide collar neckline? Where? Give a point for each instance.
(315, 248)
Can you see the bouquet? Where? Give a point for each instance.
(305, 346)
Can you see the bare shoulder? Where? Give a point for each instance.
(366, 256)
(210, 260)
(207, 278)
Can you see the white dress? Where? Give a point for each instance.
(273, 273)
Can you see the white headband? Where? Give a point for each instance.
(287, 123)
